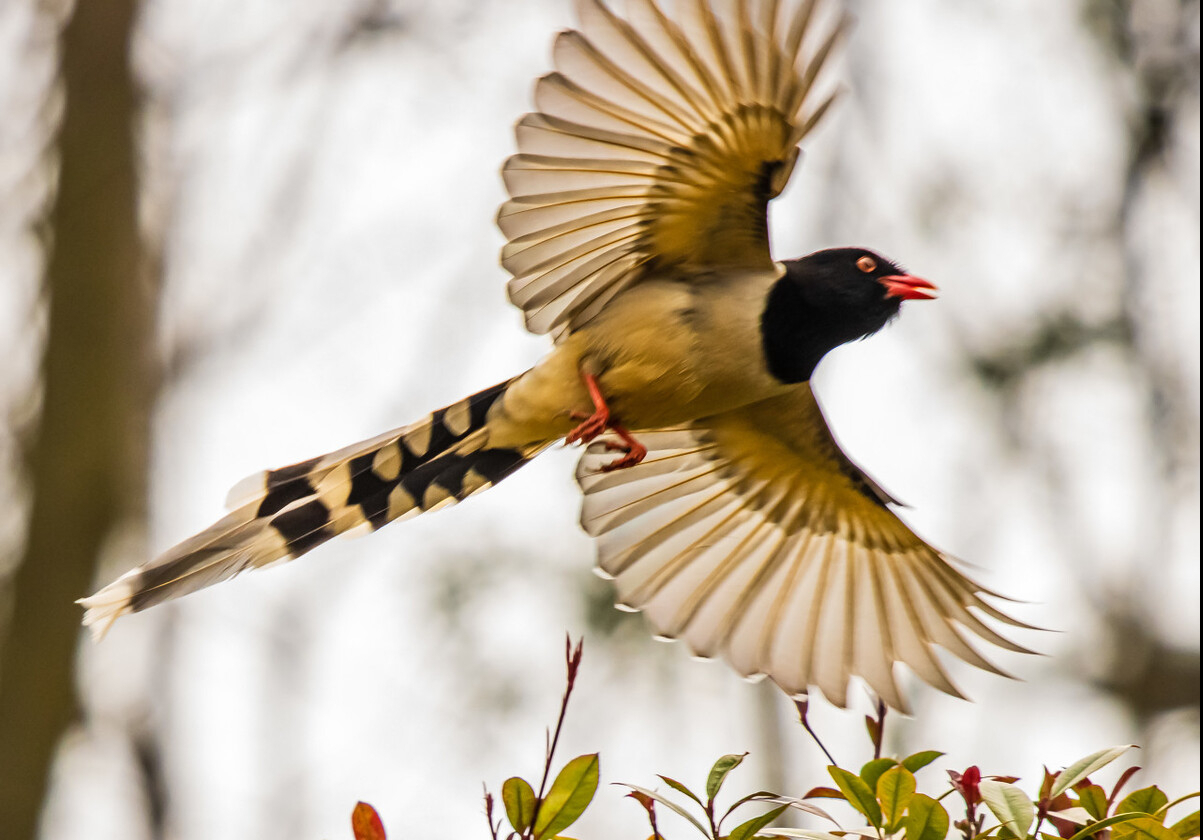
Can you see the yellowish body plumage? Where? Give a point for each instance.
(645, 349)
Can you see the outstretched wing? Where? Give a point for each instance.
(752, 536)
(659, 141)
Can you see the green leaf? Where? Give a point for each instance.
(680, 788)
(519, 800)
(1094, 800)
(1147, 800)
(719, 772)
(1096, 827)
(857, 793)
(1187, 827)
(668, 803)
(1083, 767)
(873, 769)
(919, 760)
(743, 831)
(570, 794)
(1143, 827)
(1010, 804)
(1074, 814)
(1161, 812)
(894, 791)
(926, 819)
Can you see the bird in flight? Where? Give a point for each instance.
(637, 237)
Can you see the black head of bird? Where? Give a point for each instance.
(827, 299)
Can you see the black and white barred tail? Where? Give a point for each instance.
(283, 513)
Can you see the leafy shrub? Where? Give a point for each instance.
(1068, 805)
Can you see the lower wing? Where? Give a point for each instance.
(752, 536)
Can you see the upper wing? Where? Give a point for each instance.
(657, 140)
(752, 535)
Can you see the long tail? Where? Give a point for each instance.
(284, 513)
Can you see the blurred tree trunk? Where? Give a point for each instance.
(86, 461)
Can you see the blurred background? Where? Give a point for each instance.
(236, 235)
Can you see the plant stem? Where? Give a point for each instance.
(573, 660)
(882, 708)
(803, 706)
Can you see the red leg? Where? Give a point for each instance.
(596, 423)
(600, 420)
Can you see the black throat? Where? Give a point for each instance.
(803, 321)
(793, 333)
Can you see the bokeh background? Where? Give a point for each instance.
(235, 235)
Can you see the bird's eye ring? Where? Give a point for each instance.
(867, 264)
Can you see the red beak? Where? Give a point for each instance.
(907, 287)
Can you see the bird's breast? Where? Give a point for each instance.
(665, 352)
(670, 351)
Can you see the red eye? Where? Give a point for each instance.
(867, 264)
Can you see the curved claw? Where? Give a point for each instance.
(590, 427)
(635, 451)
(594, 424)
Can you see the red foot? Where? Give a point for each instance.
(635, 451)
(591, 425)
(600, 420)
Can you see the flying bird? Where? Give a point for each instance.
(681, 358)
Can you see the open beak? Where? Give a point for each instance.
(907, 287)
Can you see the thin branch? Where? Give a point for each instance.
(803, 707)
(572, 659)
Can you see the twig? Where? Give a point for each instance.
(572, 658)
(493, 827)
(651, 817)
(882, 708)
(803, 706)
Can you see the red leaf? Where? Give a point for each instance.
(1046, 786)
(1119, 785)
(643, 799)
(366, 824)
(967, 784)
(874, 728)
(823, 793)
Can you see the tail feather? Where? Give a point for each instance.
(283, 513)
